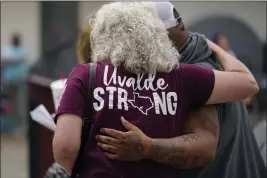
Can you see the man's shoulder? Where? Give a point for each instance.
(210, 62)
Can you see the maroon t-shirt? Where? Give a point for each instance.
(157, 104)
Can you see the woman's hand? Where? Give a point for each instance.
(214, 47)
(132, 145)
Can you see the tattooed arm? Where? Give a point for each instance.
(193, 150)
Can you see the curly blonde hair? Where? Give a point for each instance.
(131, 34)
(83, 47)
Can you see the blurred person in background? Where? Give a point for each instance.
(15, 50)
(14, 71)
(104, 51)
(14, 58)
(236, 135)
(221, 40)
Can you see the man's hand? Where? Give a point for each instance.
(132, 145)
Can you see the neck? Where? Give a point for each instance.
(183, 45)
(183, 41)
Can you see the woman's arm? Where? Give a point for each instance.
(66, 141)
(236, 83)
(228, 62)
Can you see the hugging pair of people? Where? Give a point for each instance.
(144, 38)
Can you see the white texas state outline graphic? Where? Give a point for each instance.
(141, 109)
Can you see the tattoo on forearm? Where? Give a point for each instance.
(182, 161)
(176, 151)
(189, 137)
(179, 160)
(173, 154)
(176, 160)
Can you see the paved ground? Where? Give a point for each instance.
(14, 157)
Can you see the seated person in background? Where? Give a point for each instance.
(144, 56)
